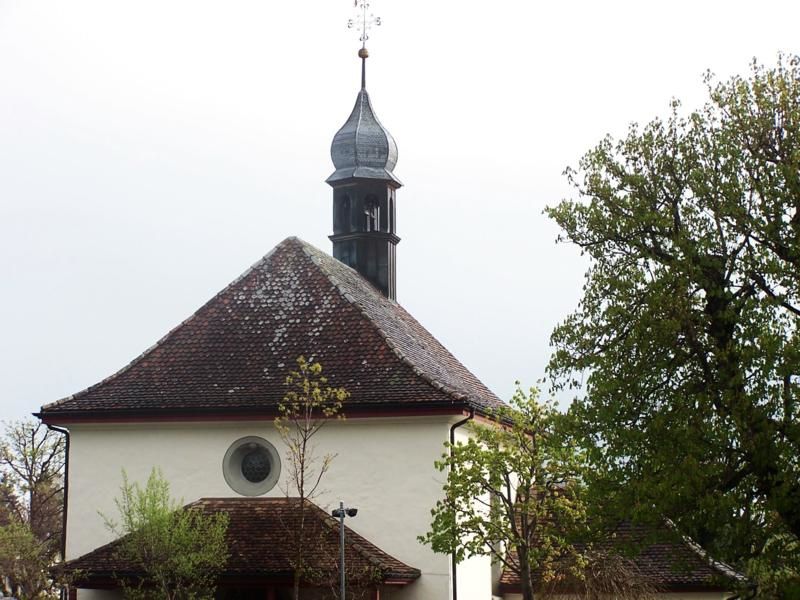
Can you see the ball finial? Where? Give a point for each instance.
(363, 53)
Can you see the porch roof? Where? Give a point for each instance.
(258, 536)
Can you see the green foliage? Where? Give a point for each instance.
(513, 493)
(309, 395)
(306, 408)
(687, 331)
(31, 504)
(24, 560)
(177, 553)
(492, 482)
(774, 569)
(309, 404)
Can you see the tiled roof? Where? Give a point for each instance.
(666, 560)
(234, 353)
(257, 536)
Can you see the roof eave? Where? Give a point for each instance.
(65, 417)
(514, 588)
(348, 174)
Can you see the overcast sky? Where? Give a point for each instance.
(150, 151)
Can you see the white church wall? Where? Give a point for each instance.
(669, 596)
(384, 467)
(474, 575)
(99, 595)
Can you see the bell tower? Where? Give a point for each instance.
(364, 190)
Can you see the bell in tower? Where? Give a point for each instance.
(364, 187)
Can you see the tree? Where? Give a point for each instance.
(687, 331)
(513, 493)
(31, 505)
(24, 561)
(178, 553)
(776, 566)
(309, 404)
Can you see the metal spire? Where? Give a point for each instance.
(363, 22)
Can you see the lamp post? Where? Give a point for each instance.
(340, 513)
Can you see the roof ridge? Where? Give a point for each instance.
(317, 257)
(94, 551)
(703, 554)
(247, 555)
(262, 261)
(366, 107)
(360, 103)
(301, 300)
(357, 541)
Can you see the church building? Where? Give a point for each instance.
(200, 404)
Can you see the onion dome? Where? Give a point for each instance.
(363, 148)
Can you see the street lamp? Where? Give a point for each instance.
(340, 513)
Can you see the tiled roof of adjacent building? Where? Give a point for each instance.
(665, 559)
(234, 353)
(257, 536)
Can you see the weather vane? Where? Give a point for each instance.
(363, 21)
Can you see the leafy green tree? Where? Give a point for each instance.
(776, 566)
(686, 337)
(178, 552)
(512, 493)
(309, 404)
(31, 508)
(24, 561)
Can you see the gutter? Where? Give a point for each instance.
(65, 433)
(453, 562)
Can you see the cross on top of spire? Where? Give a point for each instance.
(363, 21)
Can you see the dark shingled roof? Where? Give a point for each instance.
(668, 561)
(257, 536)
(234, 353)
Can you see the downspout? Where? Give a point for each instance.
(65, 433)
(453, 562)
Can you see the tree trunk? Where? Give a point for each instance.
(526, 581)
(757, 431)
(299, 546)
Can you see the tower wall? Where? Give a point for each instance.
(364, 237)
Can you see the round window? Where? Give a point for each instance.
(251, 466)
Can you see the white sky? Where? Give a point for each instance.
(150, 151)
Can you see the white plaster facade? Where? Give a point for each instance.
(666, 596)
(382, 466)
